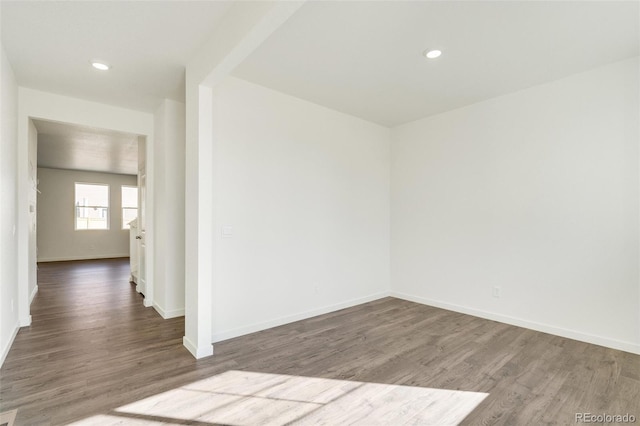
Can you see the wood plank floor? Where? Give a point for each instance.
(93, 347)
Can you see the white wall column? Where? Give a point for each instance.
(198, 218)
(246, 26)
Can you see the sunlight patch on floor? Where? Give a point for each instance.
(242, 398)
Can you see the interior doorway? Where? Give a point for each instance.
(69, 156)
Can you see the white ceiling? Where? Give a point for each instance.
(360, 57)
(50, 43)
(73, 147)
(365, 58)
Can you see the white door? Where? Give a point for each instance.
(142, 226)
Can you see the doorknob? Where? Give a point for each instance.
(138, 237)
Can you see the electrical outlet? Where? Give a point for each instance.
(496, 292)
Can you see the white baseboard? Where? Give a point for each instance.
(174, 313)
(7, 346)
(545, 328)
(25, 321)
(33, 294)
(85, 257)
(197, 352)
(241, 331)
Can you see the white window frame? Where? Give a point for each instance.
(125, 226)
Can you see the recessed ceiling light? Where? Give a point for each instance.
(100, 65)
(432, 54)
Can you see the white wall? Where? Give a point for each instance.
(535, 192)
(8, 213)
(306, 190)
(169, 122)
(33, 201)
(57, 237)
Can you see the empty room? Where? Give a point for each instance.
(346, 212)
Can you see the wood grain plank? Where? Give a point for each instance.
(93, 347)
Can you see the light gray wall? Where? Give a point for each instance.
(536, 193)
(9, 319)
(57, 238)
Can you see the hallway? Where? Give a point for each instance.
(91, 345)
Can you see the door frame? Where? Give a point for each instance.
(33, 104)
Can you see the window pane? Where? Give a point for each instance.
(130, 196)
(129, 205)
(92, 195)
(92, 206)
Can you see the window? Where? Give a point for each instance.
(92, 206)
(129, 205)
